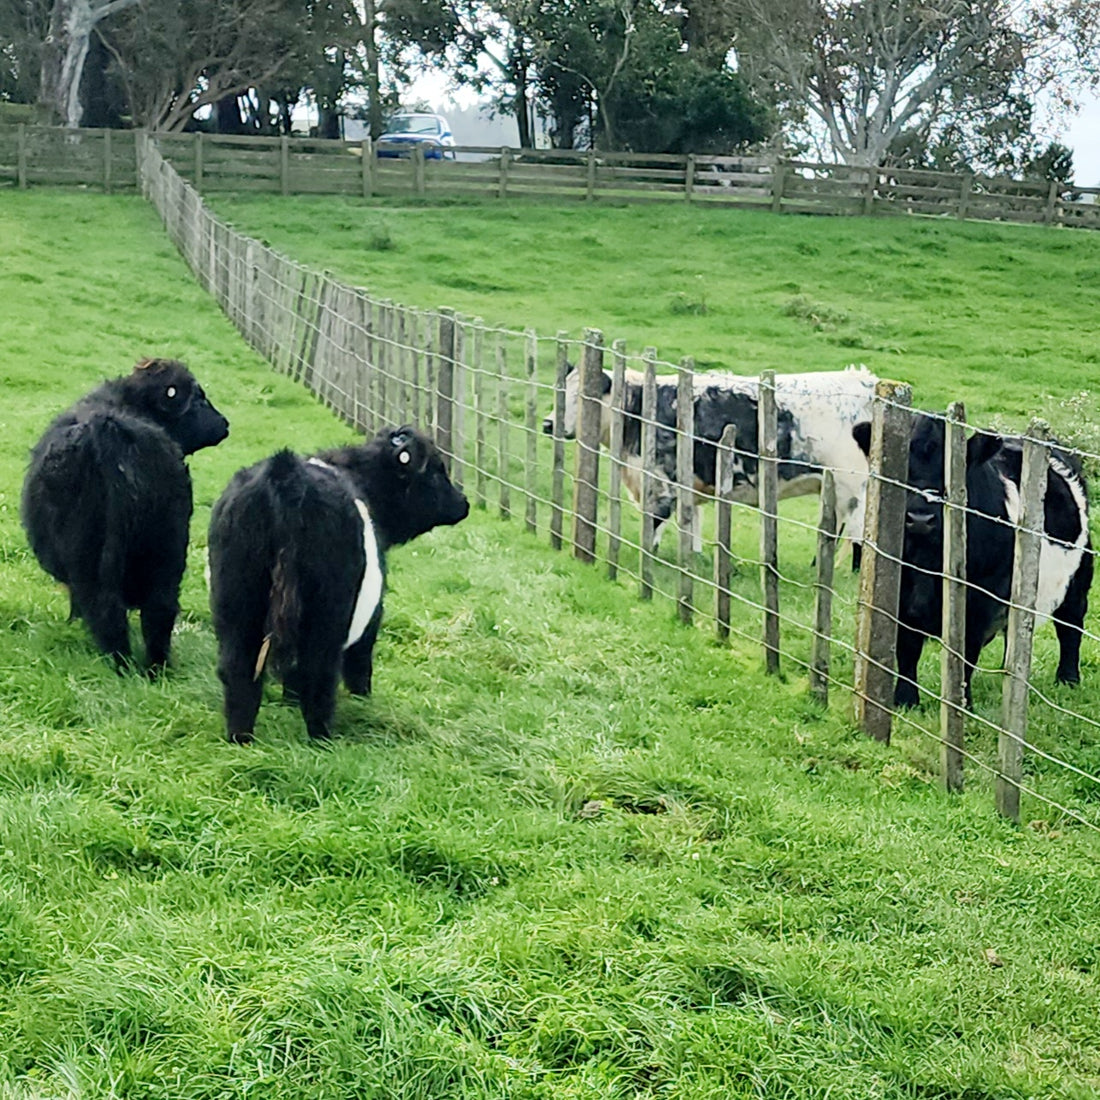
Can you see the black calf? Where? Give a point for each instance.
(993, 469)
(297, 567)
(107, 501)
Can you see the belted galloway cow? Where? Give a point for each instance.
(297, 567)
(107, 501)
(816, 412)
(993, 469)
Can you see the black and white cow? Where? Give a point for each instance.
(816, 412)
(297, 566)
(993, 469)
(107, 501)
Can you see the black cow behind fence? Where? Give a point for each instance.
(107, 501)
(297, 567)
(993, 470)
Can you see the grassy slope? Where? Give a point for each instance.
(999, 316)
(568, 850)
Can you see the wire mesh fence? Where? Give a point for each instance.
(671, 482)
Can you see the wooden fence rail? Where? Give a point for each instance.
(106, 159)
(376, 362)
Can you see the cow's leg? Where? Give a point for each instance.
(105, 614)
(910, 647)
(158, 616)
(359, 658)
(663, 508)
(239, 606)
(74, 608)
(1069, 621)
(318, 700)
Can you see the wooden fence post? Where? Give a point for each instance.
(284, 165)
(444, 380)
(767, 485)
(965, 187)
(590, 177)
(1021, 621)
(779, 174)
(823, 595)
(419, 184)
(685, 483)
(689, 178)
(869, 191)
(481, 413)
(723, 558)
(557, 486)
(458, 405)
(199, 149)
(615, 467)
(502, 179)
(107, 162)
(952, 654)
(880, 570)
(649, 461)
(21, 155)
(1053, 194)
(531, 345)
(366, 166)
(587, 479)
(502, 425)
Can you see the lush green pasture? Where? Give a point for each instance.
(1003, 317)
(569, 849)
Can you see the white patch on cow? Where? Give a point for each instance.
(370, 588)
(1058, 561)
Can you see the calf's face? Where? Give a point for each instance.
(572, 403)
(428, 497)
(169, 395)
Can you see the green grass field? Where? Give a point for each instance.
(569, 849)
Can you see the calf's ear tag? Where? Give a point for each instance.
(171, 391)
(404, 458)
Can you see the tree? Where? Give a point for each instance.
(23, 26)
(868, 71)
(65, 49)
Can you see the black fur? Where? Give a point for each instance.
(107, 501)
(990, 545)
(287, 561)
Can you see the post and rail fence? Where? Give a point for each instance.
(105, 159)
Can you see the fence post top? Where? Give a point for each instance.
(1038, 429)
(901, 393)
(593, 336)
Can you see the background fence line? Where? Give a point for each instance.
(105, 159)
(375, 362)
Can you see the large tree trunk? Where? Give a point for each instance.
(64, 53)
(521, 107)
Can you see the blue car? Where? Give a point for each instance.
(432, 133)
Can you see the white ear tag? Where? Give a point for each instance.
(171, 391)
(403, 458)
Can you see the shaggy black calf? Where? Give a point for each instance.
(297, 567)
(107, 501)
(993, 469)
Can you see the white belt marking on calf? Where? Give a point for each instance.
(1058, 561)
(370, 587)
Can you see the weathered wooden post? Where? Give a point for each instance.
(531, 473)
(649, 463)
(779, 179)
(366, 166)
(1021, 620)
(723, 558)
(615, 469)
(284, 165)
(952, 655)
(965, 187)
(445, 371)
(21, 155)
(502, 425)
(458, 405)
(823, 594)
(590, 177)
(880, 570)
(107, 162)
(587, 478)
(689, 177)
(685, 483)
(557, 487)
(481, 412)
(200, 148)
(502, 179)
(419, 183)
(767, 485)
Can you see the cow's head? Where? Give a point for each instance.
(165, 391)
(421, 490)
(572, 403)
(926, 482)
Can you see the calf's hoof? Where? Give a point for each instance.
(239, 737)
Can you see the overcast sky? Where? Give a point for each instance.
(1083, 136)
